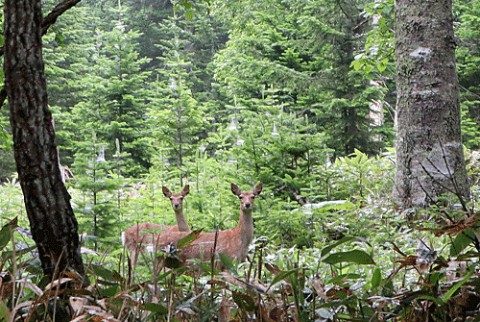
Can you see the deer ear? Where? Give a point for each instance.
(186, 190)
(258, 189)
(166, 192)
(235, 189)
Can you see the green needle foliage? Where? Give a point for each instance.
(298, 95)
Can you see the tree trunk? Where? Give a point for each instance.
(430, 160)
(53, 224)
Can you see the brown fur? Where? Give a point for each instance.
(232, 242)
(137, 237)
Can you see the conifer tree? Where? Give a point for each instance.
(116, 97)
(175, 116)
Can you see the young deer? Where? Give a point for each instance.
(137, 237)
(232, 242)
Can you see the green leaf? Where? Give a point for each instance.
(5, 232)
(341, 278)
(354, 256)
(187, 240)
(226, 261)
(189, 14)
(357, 65)
(244, 301)
(109, 291)
(430, 298)
(106, 274)
(455, 287)
(18, 252)
(172, 262)
(327, 249)
(382, 65)
(330, 205)
(282, 276)
(59, 38)
(461, 242)
(156, 308)
(434, 278)
(376, 278)
(4, 312)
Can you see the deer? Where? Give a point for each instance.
(140, 236)
(232, 242)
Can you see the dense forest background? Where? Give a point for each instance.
(298, 95)
(142, 93)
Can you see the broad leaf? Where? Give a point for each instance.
(4, 312)
(282, 276)
(455, 287)
(156, 308)
(461, 242)
(376, 278)
(327, 249)
(5, 232)
(340, 278)
(106, 274)
(187, 240)
(226, 261)
(355, 256)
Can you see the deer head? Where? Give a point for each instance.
(246, 197)
(176, 198)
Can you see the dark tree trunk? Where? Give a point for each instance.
(53, 224)
(430, 160)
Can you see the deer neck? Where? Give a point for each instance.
(181, 222)
(245, 225)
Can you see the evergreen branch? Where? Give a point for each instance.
(57, 12)
(50, 19)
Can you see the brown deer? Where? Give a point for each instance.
(232, 242)
(177, 204)
(140, 236)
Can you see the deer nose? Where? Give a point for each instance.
(176, 205)
(247, 205)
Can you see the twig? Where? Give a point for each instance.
(50, 19)
(454, 180)
(422, 187)
(57, 12)
(47, 22)
(455, 190)
(212, 266)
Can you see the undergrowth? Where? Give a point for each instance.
(355, 258)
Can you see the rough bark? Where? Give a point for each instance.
(430, 159)
(52, 221)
